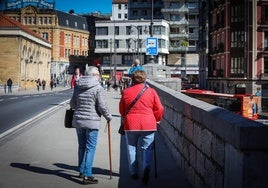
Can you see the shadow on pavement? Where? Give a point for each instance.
(63, 172)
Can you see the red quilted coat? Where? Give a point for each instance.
(145, 113)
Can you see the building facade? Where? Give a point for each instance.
(67, 32)
(25, 56)
(119, 10)
(183, 17)
(145, 9)
(203, 42)
(238, 36)
(120, 42)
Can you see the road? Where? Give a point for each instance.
(16, 109)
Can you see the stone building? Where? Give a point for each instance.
(25, 56)
(67, 32)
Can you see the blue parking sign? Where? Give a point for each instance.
(151, 46)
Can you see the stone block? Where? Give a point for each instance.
(217, 151)
(206, 141)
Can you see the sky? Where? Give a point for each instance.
(85, 6)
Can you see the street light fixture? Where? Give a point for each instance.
(152, 24)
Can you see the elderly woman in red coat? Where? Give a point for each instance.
(140, 123)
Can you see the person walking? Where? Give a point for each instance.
(140, 123)
(136, 66)
(43, 84)
(89, 104)
(75, 77)
(51, 84)
(9, 85)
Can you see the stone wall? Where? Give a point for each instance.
(214, 147)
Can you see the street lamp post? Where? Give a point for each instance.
(137, 42)
(111, 57)
(152, 24)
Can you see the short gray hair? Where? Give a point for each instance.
(92, 71)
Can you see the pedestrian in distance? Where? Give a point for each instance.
(89, 105)
(140, 123)
(9, 85)
(5, 88)
(136, 66)
(51, 84)
(77, 74)
(38, 84)
(43, 84)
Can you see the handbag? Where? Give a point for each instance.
(68, 118)
(121, 128)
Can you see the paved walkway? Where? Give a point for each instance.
(44, 155)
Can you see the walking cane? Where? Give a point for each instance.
(110, 155)
(155, 166)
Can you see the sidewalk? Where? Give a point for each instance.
(34, 91)
(44, 155)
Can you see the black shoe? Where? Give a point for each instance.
(81, 175)
(134, 176)
(90, 180)
(146, 176)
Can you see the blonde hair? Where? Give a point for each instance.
(138, 77)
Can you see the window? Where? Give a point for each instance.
(265, 66)
(101, 44)
(119, 15)
(237, 13)
(265, 44)
(161, 43)
(192, 5)
(33, 20)
(159, 30)
(45, 20)
(125, 16)
(116, 43)
(116, 30)
(135, 13)
(49, 20)
(128, 30)
(127, 60)
(67, 22)
(119, 7)
(144, 12)
(40, 21)
(75, 24)
(45, 35)
(192, 43)
(84, 26)
(237, 39)
(264, 15)
(102, 31)
(237, 65)
(175, 5)
(174, 17)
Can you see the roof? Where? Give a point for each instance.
(120, 2)
(74, 21)
(8, 23)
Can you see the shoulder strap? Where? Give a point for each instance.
(136, 99)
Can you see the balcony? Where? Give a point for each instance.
(178, 49)
(182, 9)
(183, 21)
(178, 35)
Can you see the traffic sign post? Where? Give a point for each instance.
(151, 46)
